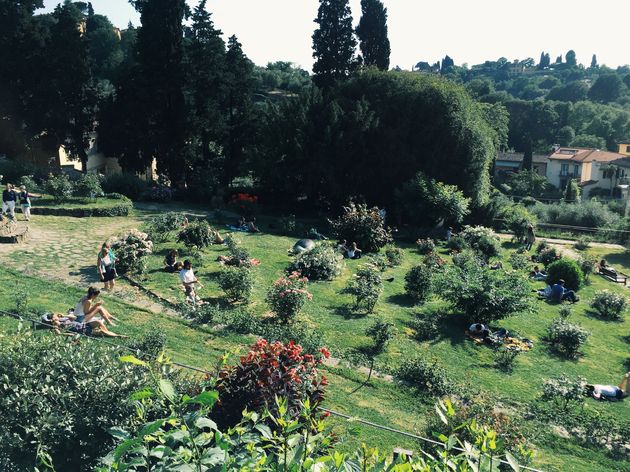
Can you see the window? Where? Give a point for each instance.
(628, 148)
(564, 169)
(576, 170)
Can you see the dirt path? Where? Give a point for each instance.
(568, 242)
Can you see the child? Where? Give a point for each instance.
(188, 279)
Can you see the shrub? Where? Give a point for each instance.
(88, 186)
(426, 326)
(237, 283)
(587, 264)
(287, 224)
(127, 184)
(541, 246)
(548, 255)
(567, 338)
(565, 312)
(321, 263)
(609, 305)
(249, 385)
(62, 397)
(150, 345)
(201, 314)
(564, 392)
(381, 333)
(160, 227)
(379, 261)
(287, 297)
(519, 261)
(478, 238)
(366, 287)
(310, 339)
(567, 270)
(425, 246)
(484, 295)
(505, 358)
(240, 255)
(418, 282)
(394, 255)
(362, 225)
(433, 261)
(426, 376)
(132, 250)
(196, 234)
(583, 243)
(241, 322)
(59, 187)
(517, 220)
(29, 182)
(590, 213)
(466, 257)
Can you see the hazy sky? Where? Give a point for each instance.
(425, 30)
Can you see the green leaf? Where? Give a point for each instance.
(264, 430)
(142, 394)
(150, 428)
(119, 433)
(512, 461)
(167, 389)
(208, 398)
(132, 360)
(206, 423)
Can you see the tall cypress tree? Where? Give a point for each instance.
(334, 43)
(372, 33)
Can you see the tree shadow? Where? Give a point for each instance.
(597, 316)
(347, 312)
(88, 275)
(401, 299)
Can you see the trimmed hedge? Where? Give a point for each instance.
(120, 206)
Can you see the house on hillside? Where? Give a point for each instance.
(510, 162)
(597, 172)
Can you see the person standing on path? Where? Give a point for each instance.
(530, 238)
(106, 266)
(25, 202)
(9, 197)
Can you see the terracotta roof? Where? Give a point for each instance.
(587, 182)
(585, 155)
(518, 157)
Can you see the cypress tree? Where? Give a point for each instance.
(372, 34)
(334, 43)
(594, 64)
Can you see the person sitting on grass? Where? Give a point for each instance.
(496, 266)
(610, 392)
(354, 252)
(251, 226)
(188, 279)
(314, 234)
(69, 326)
(479, 330)
(342, 247)
(559, 293)
(171, 264)
(544, 293)
(87, 310)
(538, 274)
(216, 238)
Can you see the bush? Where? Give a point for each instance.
(567, 270)
(381, 333)
(59, 187)
(150, 345)
(321, 263)
(250, 386)
(126, 184)
(237, 283)
(587, 264)
(484, 295)
(362, 225)
(240, 255)
(505, 358)
(160, 227)
(132, 250)
(548, 255)
(567, 338)
(394, 255)
(241, 322)
(517, 219)
(310, 339)
(519, 261)
(426, 376)
(480, 239)
(425, 246)
(465, 258)
(541, 246)
(564, 392)
(583, 243)
(201, 314)
(379, 261)
(590, 213)
(609, 305)
(565, 312)
(366, 287)
(433, 261)
(287, 297)
(88, 186)
(197, 234)
(29, 182)
(12, 171)
(62, 397)
(418, 282)
(426, 326)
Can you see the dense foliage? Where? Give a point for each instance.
(609, 305)
(321, 263)
(362, 225)
(567, 338)
(426, 375)
(419, 282)
(237, 283)
(567, 270)
(366, 287)
(160, 227)
(131, 250)
(196, 234)
(480, 239)
(287, 297)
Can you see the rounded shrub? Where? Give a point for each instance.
(59, 187)
(480, 239)
(548, 255)
(427, 376)
(197, 234)
(160, 227)
(287, 296)
(132, 250)
(567, 338)
(366, 287)
(381, 333)
(321, 263)
(237, 283)
(519, 261)
(609, 305)
(426, 326)
(567, 270)
(394, 255)
(88, 186)
(129, 185)
(425, 246)
(418, 282)
(362, 225)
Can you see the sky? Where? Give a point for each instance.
(424, 30)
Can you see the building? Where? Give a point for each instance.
(597, 172)
(510, 162)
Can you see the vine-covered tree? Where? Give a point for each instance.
(334, 43)
(372, 34)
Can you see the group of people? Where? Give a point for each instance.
(349, 252)
(245, 225)
(558, 293)
(11, 197)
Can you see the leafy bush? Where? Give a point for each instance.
(419, 282)
(160, 227)
(425, 246)
(241, 322)
(240, 255)
(541, 246)
(567, 270)
(88, 186)
(394, 255)
(59, 187)
(609, 305)
(484, 295)
(362, 225)
(379, 261)
(132, 250)
(381, 333)
(237, 283)
(590, 213)
(29, 182)
(426, 326)
(517, 219)
(249, 385)
(519, 261)
(565, 312)
(548, 255)
(505, 358)
(465, 258)
(321, 263)
(583, 243)
(12, 171)
(62, 397)
(150, 345)
(201, 314)
(366, 287)
(478, 238)
(288, 224)
(197, 234)
(425, 202)
(564, 392)
(426, 376)
(567, 338)
(287, 296)
(310, 339)
(433, 261)
(127, 184)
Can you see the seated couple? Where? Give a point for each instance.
(245, 226)
(558, 293)
(349, 252)
(610, 392)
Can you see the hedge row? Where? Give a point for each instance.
(121, 207)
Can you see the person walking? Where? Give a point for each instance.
(9, 197)
(25, 202)
(106, 266)
(530, 238)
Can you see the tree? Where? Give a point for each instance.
(572, 192)
(607, 88)
(528, 155)
(594, 64)
(372, 34)
(528, 184)
(589, 141)
(570, 58)
(333, 43)
(447, 64)
(565, 135)
(545, 60)
(104, 50)
(571, 92)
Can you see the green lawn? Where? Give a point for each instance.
(603, 361)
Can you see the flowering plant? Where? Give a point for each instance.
(131, 250)
(287, 296)
(267, 371)
(244, 202)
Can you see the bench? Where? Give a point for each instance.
(613, 275)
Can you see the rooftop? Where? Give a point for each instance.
(585, 155)
(518, 157)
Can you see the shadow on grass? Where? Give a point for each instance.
(597, 316)
(401, 299)
(88, 275)
(347, 312)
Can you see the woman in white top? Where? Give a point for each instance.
(87, 311)
(106, 266)
(188, 280)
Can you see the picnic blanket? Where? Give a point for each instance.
(509, 342)
(242, 229)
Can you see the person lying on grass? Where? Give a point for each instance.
(88, 310)
(69, 326)
(559, 293)
(538, 274)
(610, 392)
